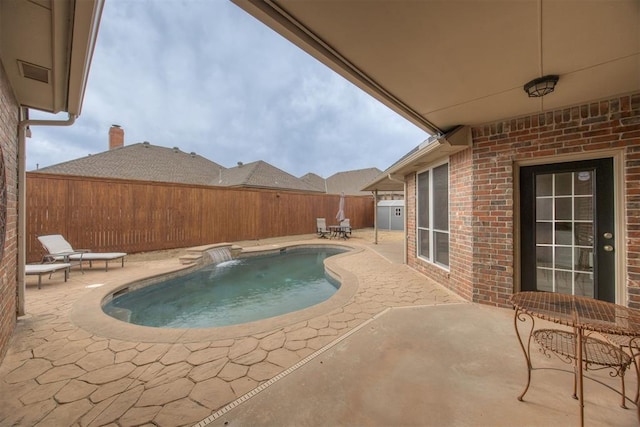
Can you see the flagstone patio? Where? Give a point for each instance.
(61, 374)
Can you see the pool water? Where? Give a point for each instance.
(232, 292)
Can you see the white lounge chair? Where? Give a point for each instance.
(321, 228)
(60, 250)
(40, 269)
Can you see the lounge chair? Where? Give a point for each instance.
(321, 228)
(60, 250)
(40, 269)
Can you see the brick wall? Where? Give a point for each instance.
(603, 125)
(9, 146)
(482, 191)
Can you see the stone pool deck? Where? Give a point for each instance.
(401, 350)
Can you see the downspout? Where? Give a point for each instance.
(404, 219)
(22, 198)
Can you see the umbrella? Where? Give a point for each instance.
(340, 214)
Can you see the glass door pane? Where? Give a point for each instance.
(564, 242)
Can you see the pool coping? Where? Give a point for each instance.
(86, 311)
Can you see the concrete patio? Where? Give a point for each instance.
(401, 351)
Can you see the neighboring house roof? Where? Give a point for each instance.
(316, 181)
(142, 161)
(261, 174)
(351, 182)
(147, 162)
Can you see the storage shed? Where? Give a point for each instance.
(390, 215)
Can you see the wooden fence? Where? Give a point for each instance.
(131, 216)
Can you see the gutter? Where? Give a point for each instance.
(22, 198)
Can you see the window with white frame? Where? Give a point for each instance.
(433, 215)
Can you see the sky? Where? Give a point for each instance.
(206, 77)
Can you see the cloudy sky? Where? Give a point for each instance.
(207, 77)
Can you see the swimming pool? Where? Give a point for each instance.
(232, 292)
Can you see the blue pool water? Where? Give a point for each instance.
(231, 292)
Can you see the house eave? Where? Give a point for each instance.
(429, 152)
(277, 18)
(46, 49)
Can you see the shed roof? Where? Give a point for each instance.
(391, 203)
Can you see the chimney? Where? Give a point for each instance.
(116, 137)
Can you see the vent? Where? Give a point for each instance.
(34, 72)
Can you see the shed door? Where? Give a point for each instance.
(567, 228)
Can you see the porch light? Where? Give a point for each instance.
(541, 86)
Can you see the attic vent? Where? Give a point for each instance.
(146, 144)
(34, 72)
(193, 154)
(176, 149)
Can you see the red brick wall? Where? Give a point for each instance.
(482, 192)
(461, 248)
(9, 111)
(632, 205)
(608, 124)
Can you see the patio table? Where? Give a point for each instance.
(584, 315)
(338, 231)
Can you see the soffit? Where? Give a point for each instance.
(447, 63)
(54, 40)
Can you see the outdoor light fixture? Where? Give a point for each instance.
(541, 86)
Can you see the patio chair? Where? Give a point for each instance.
(345, 227)
(321, 228)
(58, 249)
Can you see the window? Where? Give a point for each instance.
(433, 215)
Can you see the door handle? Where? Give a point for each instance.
(608, 248)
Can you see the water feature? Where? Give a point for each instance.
(219, 254)
(231, 292)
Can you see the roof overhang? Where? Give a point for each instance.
(427, 153)
(46, 48)
(442, 63)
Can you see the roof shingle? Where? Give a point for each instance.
(261, 174)
(142, 161)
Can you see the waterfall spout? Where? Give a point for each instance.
(219, 255)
